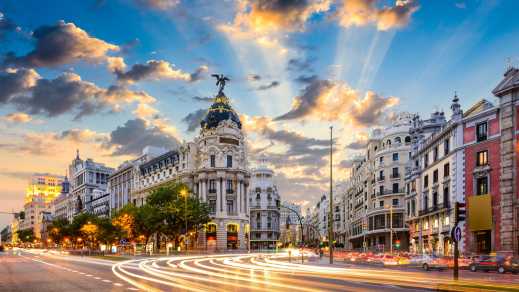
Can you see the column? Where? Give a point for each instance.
(219, 207)
(204, 190)
(238, 196)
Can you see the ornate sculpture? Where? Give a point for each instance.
(220, 82)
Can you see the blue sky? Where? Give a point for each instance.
(357, 63)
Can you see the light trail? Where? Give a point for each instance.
(253, 272)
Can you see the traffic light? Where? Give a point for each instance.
(397, 243)
(460, 213)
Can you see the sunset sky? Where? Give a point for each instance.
(109, 77)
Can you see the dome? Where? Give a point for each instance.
(220, 110)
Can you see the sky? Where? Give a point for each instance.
(108, 77)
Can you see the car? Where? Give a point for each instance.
(497, 263)
(431, 262)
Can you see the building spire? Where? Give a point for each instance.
(457, 113)
(77, 153)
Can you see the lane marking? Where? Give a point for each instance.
(107, 281)
(118, 284)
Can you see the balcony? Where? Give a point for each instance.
(229, 191)
(212, 191)
(391, 192)
(381, 178)
(395, 175)
(433, 209)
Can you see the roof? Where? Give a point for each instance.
(478, 107)
(219, 111)
(509, 82)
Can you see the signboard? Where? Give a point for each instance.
(456, 233)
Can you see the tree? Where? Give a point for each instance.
(59, 229)
(124, 220)
(26, 235)
(148, 221)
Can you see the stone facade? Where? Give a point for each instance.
(215, 168)
(264, 206)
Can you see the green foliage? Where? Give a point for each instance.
(26, 235)
(165, 213)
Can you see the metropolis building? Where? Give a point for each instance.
(214, 166)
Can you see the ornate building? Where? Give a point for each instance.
(214, 166)
(264, 207)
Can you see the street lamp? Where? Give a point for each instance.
(184, 193)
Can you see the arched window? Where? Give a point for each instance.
(408, 139)
(388, 142)
(398, 140)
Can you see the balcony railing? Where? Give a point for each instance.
(381, 178)
(229, 191)
(212, 191)
(390, 192)
(395, 175)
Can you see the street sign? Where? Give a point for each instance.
(456, 233)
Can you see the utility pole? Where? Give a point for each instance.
(330, 217)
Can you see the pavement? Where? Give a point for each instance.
(27, 270)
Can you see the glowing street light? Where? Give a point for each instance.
(184, 193)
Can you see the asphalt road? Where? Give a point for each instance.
(26, 271)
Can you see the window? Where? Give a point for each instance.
(395, 172)
(395, 188)
(481, 131)
(381, 159)
(212, 186)
(435, 153)
(395, 202)
(446, 197)
(426, 160)
(446, 170)
(435, 176)
(482, 185)
(212, 206)
(435, 198)
(381, 175)
(446, 147)
(482, 158)
(229, 161)
(395, 156)
(381, 190)
(398, 140)
(213, 161)
(407, 139)
(230, 206)
(426, 181)
(229, 186)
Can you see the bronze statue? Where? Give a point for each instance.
(220, 82)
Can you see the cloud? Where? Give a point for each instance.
(347, 163)
(199, 73)
(134, 135)
(158, 4)
(460, 5)
(6, 25)
(370, 110)
(367, 12)
(253, 77)
(16, 81)
(361, 142)
(83, 136)
(156, 70)
(67, 93)
(306, 79)
(18, 118)
(300, 64)
(144, 110)
(277, 15)
(203, 99)
(268, 86)
(61, 44)
(327, 100)
(193, 119)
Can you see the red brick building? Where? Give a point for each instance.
(482, 144)
(508, 93)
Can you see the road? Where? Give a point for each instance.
(247, 272)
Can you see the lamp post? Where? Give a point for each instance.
(330, 216)
(184, 193)
(302, 231)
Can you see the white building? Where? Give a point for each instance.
(64, 205)
(434, 179)
(215, 168)
(264, 206)
(87, 176)
(289, 213)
